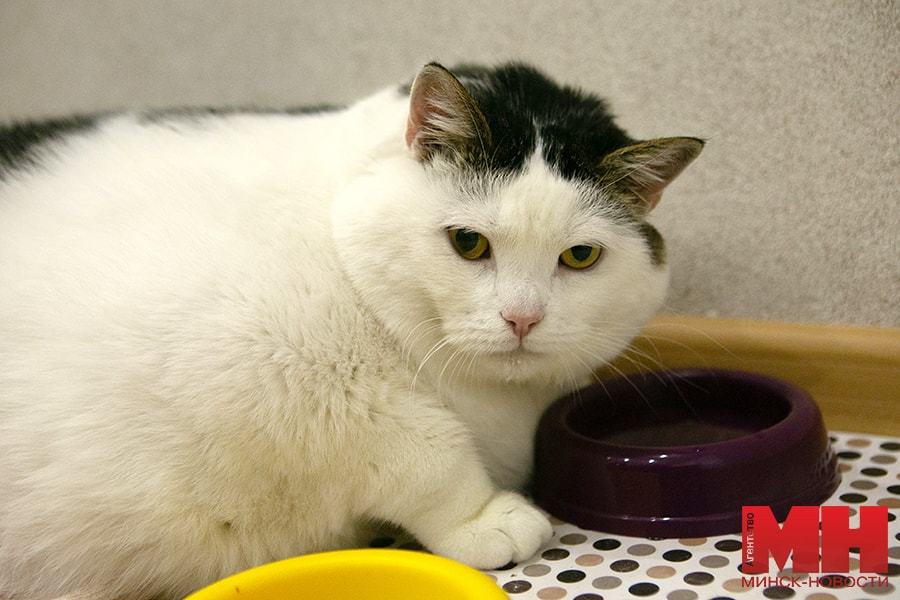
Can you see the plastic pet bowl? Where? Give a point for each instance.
(677, 453)
(357, 575)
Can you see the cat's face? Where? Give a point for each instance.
(565, 279)
(521, 268)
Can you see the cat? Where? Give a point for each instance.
(231, 337)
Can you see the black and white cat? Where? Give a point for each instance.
(230, 338)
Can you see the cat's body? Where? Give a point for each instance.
(231, 339)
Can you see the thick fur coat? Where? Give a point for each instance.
(227, 339)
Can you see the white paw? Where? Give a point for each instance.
(508, 529)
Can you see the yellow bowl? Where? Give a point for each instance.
(375, 574)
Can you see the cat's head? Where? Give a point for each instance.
(505, 230)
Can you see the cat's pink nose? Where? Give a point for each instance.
(522, 322)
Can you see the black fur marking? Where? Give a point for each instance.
(19, 141)
(312, 109)
(199, 112)
(519, 104)
(655, 243)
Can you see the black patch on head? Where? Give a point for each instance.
(199, 112)
(654, 241)
(19, 141)
(519, 104)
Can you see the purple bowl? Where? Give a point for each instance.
(677, 453)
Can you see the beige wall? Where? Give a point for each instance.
(791, 213)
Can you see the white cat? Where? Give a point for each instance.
(227, 339)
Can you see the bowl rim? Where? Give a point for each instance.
(435, 565)
(802, 413)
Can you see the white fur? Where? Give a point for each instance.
(229, 342)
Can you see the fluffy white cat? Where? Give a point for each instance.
(227, 339)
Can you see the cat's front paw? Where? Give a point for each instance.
(508, 529)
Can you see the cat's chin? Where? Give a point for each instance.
(518, 352)
(515, 355)
(519, 365)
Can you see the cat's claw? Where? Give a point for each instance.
(508, 529)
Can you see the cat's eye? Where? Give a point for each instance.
(471, 245)
(581, 257)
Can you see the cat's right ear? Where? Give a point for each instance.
(443, 116)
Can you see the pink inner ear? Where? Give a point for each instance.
(422, 89)
(652, 197)
(416, 115)
(411, 129)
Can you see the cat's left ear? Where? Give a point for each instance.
(639, 173)
(443, 116)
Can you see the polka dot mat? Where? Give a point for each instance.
(588, 565)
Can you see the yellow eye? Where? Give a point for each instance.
(581, 257)
(471, 245)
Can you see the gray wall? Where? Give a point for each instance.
(791, 213)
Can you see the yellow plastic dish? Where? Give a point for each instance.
(374, 574)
